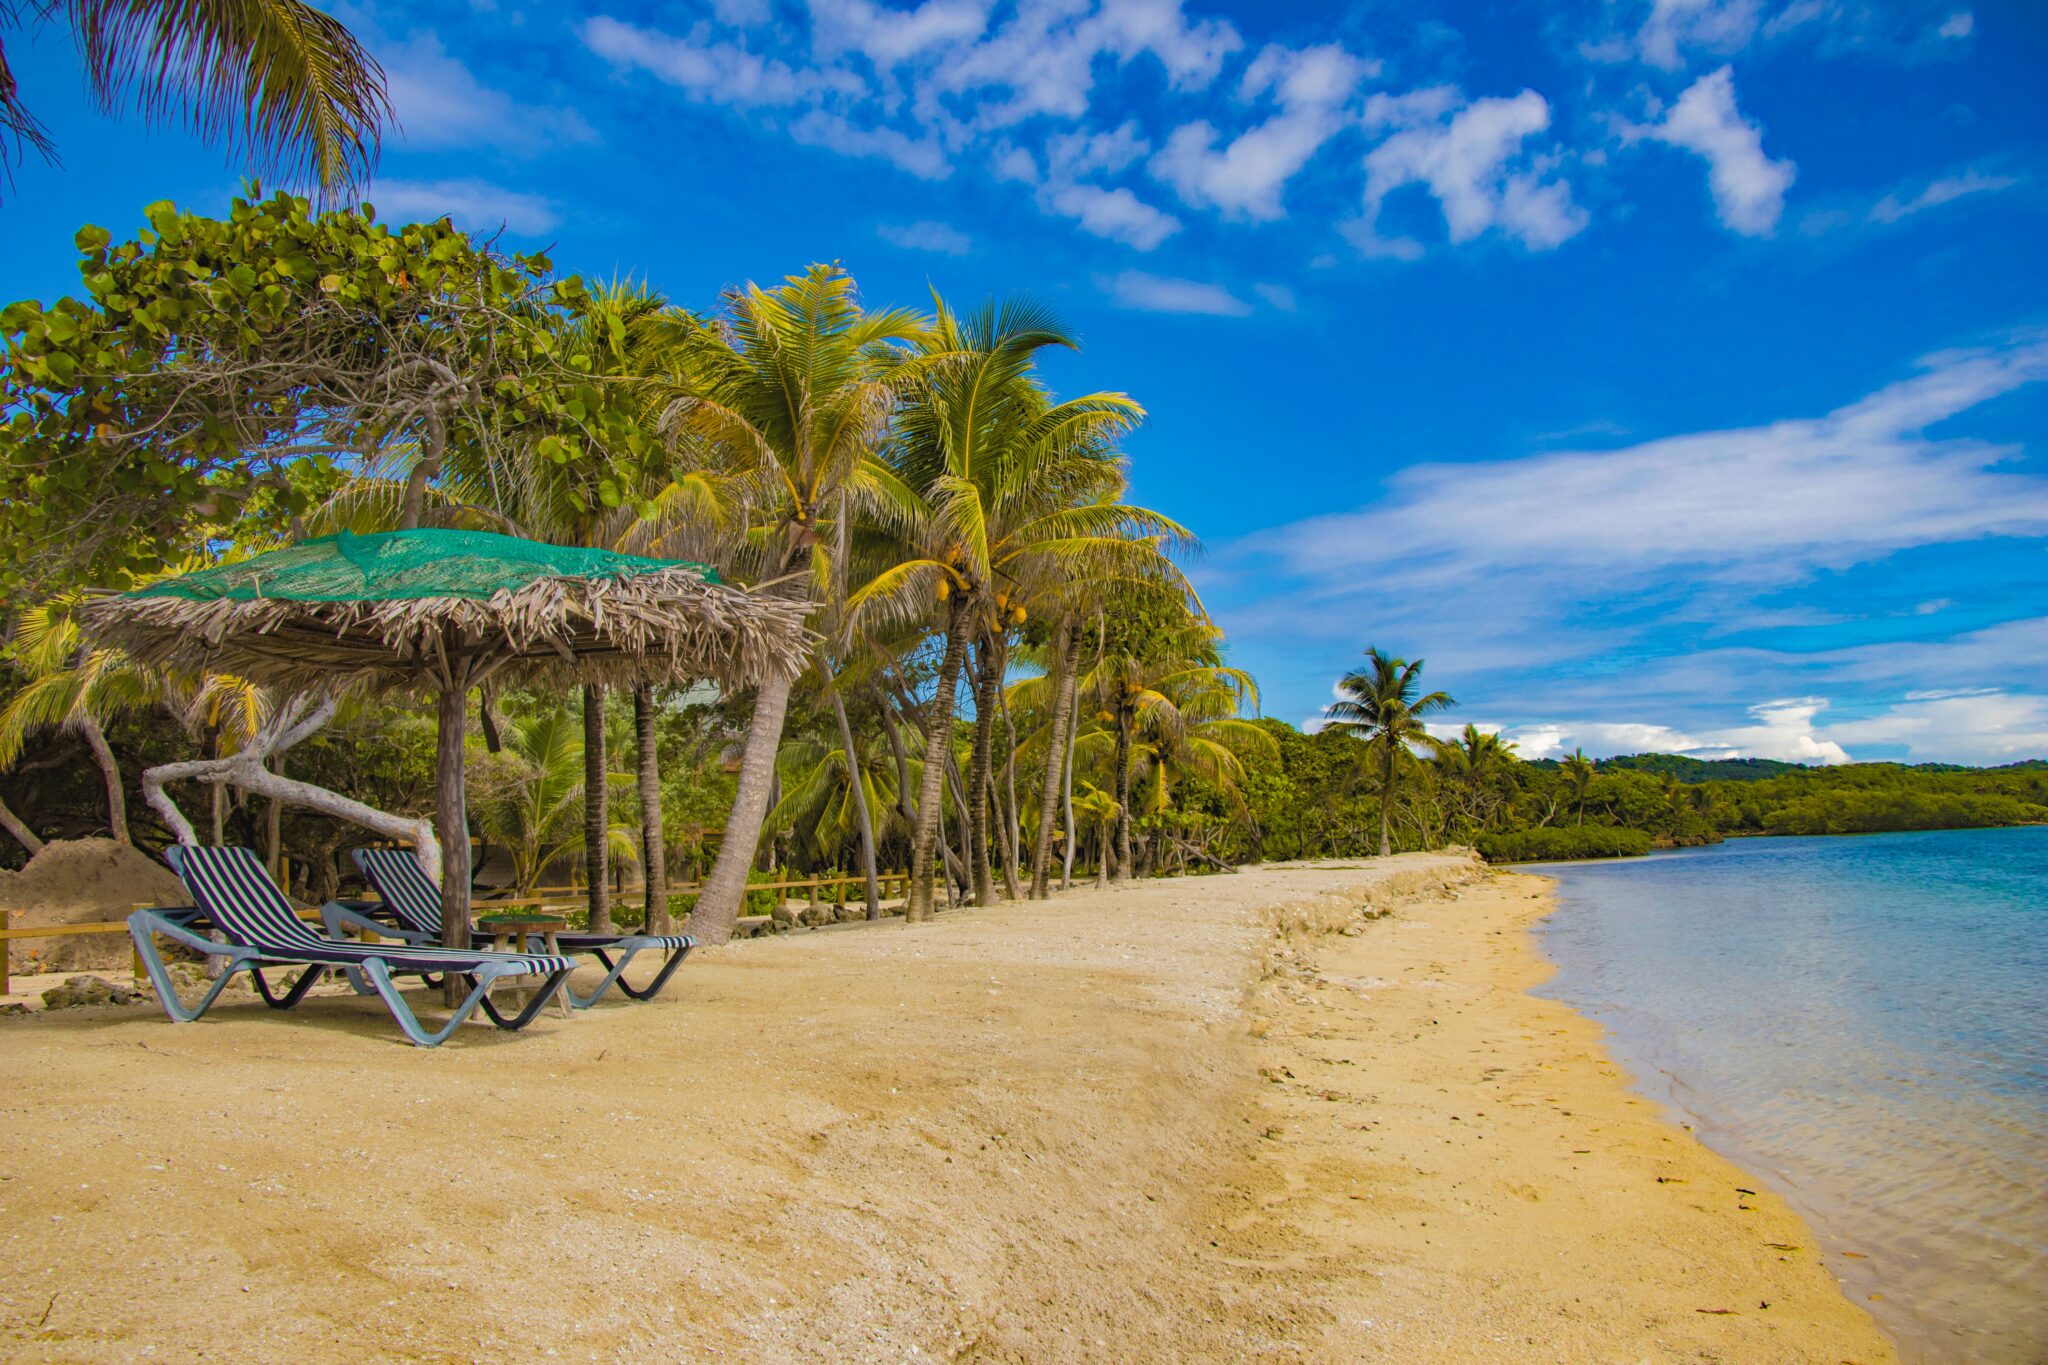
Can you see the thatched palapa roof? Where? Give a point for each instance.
(397, 609)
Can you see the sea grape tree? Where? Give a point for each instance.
(209, 356)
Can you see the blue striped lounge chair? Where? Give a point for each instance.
(413, 906)
(232, 892)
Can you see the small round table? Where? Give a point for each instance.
(509, 933)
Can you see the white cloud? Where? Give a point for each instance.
(1979, 725)
(1245, 178)
(1278, 295)
(924, 85)
(471, 203)
(1947, 189)
(1164, 294)
(1961, 24)
(1987, 727)
(1765, 501)
(1782, 730)
(889, 36)
(441, 103)
(1191, 50)
(1116, 214)
(1748, 186)
(1042, 61)
(1070, 156)
(927, 236)
(1014, 163)
(1721, 27)
(1473, 162)
(1590, 584)
(922, 157)
(715, 72)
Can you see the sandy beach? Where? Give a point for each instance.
(1217, 1119)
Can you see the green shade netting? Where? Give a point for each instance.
(396, 566)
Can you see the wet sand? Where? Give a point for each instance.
(1183, 1121)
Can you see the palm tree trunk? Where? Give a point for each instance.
(653, 840)
(1006, 843)
(718, 905)
(110, 773)
(1067, 781)
(1055, 766)
(1123, 795)
(906, 801)
(860, 805)
(956, 869)
(451, 814)
(23, 835)
(978, 785)
(1013, 833)
(767, 859)
(597, 816)
(938, 742)
(1386, 801)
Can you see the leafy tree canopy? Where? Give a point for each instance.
(208, 356)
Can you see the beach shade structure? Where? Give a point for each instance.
(444, 611)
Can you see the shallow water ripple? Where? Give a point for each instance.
(1857, 1020)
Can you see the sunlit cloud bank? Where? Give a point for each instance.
(1649, 597)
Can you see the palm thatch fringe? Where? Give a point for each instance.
(553, 630)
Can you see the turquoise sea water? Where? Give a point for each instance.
(1863, 1023)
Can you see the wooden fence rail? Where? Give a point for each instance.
(542, 896)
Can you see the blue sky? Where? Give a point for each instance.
(1667, 373)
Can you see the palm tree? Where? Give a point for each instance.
(819, 798)
(1007, 491)
(1052, 694)
(79, 688)
(1099, 806)
(1153, 637)
(1578, 773)
(280, 80)
(1189, 724)
(1379, 703)
(1475, 764)
(534, 797)
(792, 391)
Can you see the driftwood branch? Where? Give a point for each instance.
(247, 770)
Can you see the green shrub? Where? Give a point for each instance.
(1563, 844)
(1879, 811)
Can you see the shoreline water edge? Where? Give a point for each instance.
(1850, 1021)
(1522, 1202)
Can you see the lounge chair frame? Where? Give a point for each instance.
(411, 910)
(252, 947)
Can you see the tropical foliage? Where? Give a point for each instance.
(1011, 678)
(280, 81)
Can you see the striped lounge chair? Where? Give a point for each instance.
(233, 893)
(413, 905)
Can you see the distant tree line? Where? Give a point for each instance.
(1319, 796)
